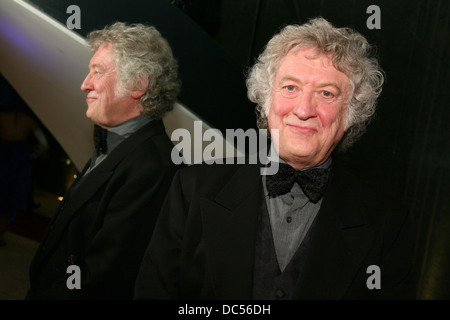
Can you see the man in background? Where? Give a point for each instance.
(106, 219)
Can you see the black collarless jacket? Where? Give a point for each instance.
(204, 242)
(105, 221)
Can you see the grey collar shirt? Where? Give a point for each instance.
(117, 135)
(291, 216)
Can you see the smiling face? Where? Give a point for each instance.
(309, 98)
(106, 107)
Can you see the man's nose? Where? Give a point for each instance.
(86, 86)
(305, 105)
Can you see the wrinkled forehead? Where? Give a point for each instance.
(103, 56)
(308, 65)
(314, 52)
(311, 53)
(311, 61)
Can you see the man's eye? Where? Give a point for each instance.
(289, 91)
(327, 95)
(290, 88)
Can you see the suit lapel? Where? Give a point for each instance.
(338, 242)
(229, 223)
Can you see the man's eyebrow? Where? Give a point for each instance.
(319, 85)
(96, 65)
(289, 78)
(329, 84)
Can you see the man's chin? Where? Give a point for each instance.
(300, 149)
(298, 153)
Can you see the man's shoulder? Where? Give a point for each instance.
(210, 179)
(365, 191)
(217, 167)
(219, 172)
(150, 144)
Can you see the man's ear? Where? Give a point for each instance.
(140, 89)
(137, 94)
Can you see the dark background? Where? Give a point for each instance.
(406, 149)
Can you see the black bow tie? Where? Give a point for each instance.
(100, 135)
(312, 181)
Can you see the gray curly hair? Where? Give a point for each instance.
(141, 53)
(350, 53)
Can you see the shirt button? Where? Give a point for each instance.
(71, 259)
(289, 219)
(279, 293)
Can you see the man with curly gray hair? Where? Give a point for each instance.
(345, 50)
(310, 231)
(94, 244)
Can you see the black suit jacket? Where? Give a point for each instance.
(105, 221)
(204, 242)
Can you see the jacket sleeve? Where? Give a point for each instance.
(399, 277)
(159, 272)
(132, 202)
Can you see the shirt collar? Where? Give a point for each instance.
(127, 128)
(122, 131)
